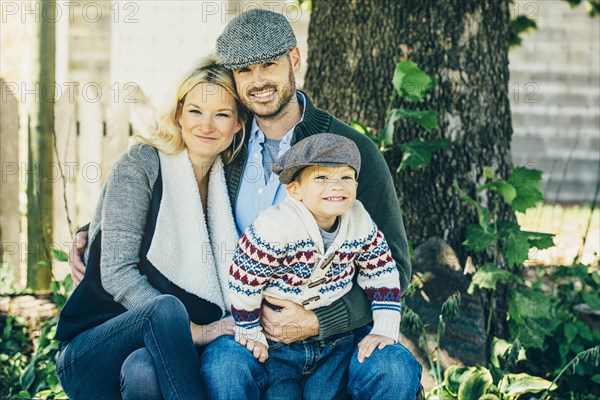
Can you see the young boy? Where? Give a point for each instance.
(307, 250)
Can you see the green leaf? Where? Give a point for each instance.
(426, 119)
(540, 240)
(365, 131)
(23, 394)
(482, 212)
(526, 303)
(505, 189)
(596, 378)
(521, 24)
(478, 239)
(451, 306)
(453, 376)
(570, 332)
(488, 276)
(514, 385)
(476, 385)
(515, 242)
(28, 375)
(501, 348)
(592, 300)
(488, 172)
(527, 184)
(417, 153)
(60, 255)
(411, 82)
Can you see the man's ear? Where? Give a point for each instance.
(293, 190)
(295, 59)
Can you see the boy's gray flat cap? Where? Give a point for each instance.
(254, 37)
(322, 149)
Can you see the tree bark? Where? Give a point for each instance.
(354, 46)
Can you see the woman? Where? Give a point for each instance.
(126, 330)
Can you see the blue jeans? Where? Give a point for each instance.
(391, 373)
(310, 369)
(101, 363)
(230, 371)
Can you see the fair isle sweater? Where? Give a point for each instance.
(281, 255)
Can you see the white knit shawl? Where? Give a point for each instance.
(192, 251)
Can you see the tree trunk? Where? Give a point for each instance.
(353, 49)
(41, 149)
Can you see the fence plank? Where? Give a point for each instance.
(65, 206)
(117, 135)
(11, 175)
(91, 132)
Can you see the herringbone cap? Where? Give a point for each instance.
(254, 37)
(322, 149)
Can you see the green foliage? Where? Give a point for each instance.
(416, 154)
(488, 276)
(29, 371)
(517, 26)
(412, 85)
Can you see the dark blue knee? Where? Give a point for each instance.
(224, 358)
(390, 373)
(138, 377)
(169, 310)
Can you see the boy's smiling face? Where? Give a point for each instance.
(328, 192)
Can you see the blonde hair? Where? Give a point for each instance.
(167, 135)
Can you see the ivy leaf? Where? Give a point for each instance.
(488, 276)
(532, 332)
(505, 189)
(527, 184)
(411, 82)
(417, 153)
(427, 119)
(488, 172)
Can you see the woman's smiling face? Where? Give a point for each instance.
(208, 119)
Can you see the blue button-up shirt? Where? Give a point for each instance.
(256, 193)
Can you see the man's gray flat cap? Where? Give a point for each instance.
(254, 37)
(322, 149)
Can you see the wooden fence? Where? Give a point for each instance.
(89, 139)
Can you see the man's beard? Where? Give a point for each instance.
(285, 92)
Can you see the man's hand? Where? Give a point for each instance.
(370, 343)
(75, 257)
(204, 334)
(259, 350)
(290, 324)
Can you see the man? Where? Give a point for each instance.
(260, 48)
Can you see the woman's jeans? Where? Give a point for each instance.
(102, 362)
(393, 373)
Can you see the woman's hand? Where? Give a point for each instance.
(370, 343)
(259, 350)
(290, 324)
(204, 334)
(75, 257)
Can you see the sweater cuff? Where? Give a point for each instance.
(256, 334)
(333, 319)
(386, 323)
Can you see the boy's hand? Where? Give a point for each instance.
(370, 343)
(259, 350)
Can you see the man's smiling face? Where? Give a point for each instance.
(266, 89)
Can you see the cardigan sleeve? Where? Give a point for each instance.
(254, 262)
(378, 277)
(123, 219)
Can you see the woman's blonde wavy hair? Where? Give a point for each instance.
(167, 135)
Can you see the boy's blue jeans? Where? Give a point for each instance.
(309, 370)
(229, 370)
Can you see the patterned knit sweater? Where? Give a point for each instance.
(281, 255)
